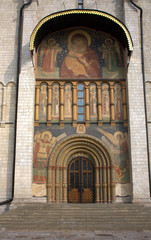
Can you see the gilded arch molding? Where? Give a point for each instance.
(100, 18)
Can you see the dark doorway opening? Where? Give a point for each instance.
(80, 181)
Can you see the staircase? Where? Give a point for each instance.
(90, 217)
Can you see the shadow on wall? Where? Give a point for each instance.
(10, 74)
(7, 138)
(119, 9)
(10, 110)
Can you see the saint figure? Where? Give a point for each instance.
(81, 62)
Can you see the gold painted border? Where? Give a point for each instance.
(34, 33)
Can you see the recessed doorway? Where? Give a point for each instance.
(80, 181)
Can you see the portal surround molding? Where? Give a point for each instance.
(64, 152)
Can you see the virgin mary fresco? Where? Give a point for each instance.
(79, 54)
(81, 61)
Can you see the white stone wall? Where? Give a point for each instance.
(25, 124)
(25, 116)
(124, 11)
(137, 127)
(146, 6)
(113, 7)
(8, 97)
(9, 11)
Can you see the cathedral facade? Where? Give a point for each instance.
(75, 101)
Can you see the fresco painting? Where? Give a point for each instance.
(105, 102)
(111, 54)
(117, 145)
(114, 139)
(47, 58)
(93, 102)
(81, 61)
(118, 102)
(55, 102)
(44, 142)
(68, 102)
(43, 103)
(80, 54)
(43, 145)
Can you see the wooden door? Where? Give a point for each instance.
(80, 181)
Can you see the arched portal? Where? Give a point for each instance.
(80, 147)
(80, 71)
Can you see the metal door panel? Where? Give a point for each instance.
(80, 181)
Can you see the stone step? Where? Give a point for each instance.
(77, 217)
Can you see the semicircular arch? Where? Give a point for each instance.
(94, 19)
(76, 144)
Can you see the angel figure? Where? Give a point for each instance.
(117, 143)
(43, 146)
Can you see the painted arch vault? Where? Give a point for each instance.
(65, 61)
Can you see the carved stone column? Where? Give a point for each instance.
(112, 104)
(101, 185)
(75, 104)
(64, 184)
(57, 185)
(53, 184)
(97, 185)
(49, 184)
(124, 103)
(113, 192)
(99, 104)
(60, 190)
(87, 105)
(109, 183)
(49, 105)
(37, 105)
(112, 183)
(105, 199)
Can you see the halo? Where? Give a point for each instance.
(105, 86)
(37, 136)
(108, 39)
(118, 133)
(118, 86)
(81, 32)
(51, 39)
(46, 133)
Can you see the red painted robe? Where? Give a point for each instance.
(81, 65)
(37, 151)
(50, 60)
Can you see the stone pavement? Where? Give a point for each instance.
(75, 235)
